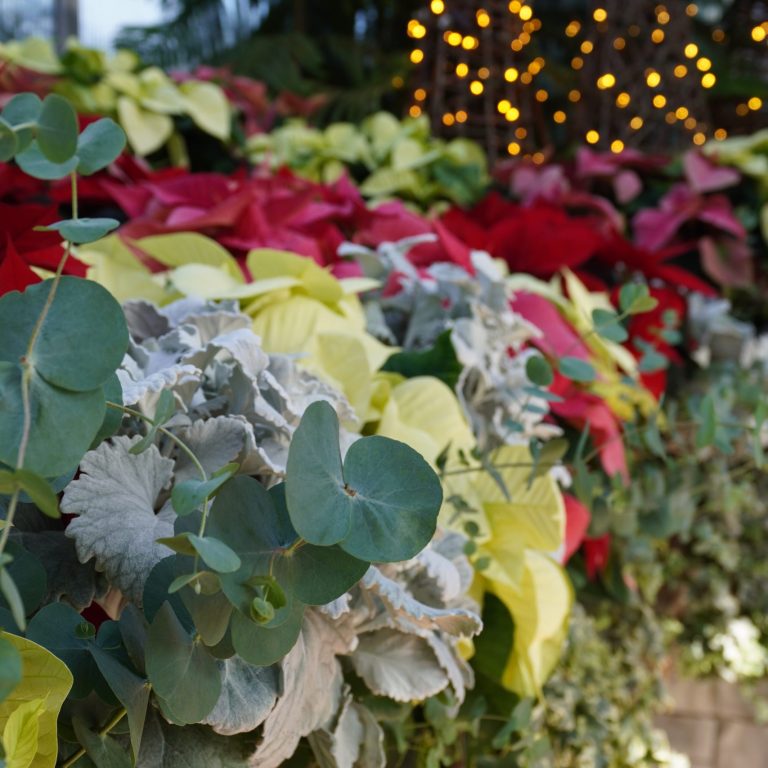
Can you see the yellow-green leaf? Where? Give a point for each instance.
(21, 734)
(208, 107)
(146, 131)
(46, 679)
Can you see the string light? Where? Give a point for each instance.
(573, 28)
(721, 134)
(606, 81)
(659, 101)
(662, 17)
(718, 35)
(419, 94)
(417, 56)
(600, 14)
(681, 113)
(742, 110)
(559, 116)
(469, 43)
(617, 146)
(448, 119)
(525, 13)
(577, 62)
(483, 19)
(476, 87)
(541, 95)
(511, 74)
(708, 80)
(691, 50)
(504, 106)
(461, 116)
(653, 79)
(636, 123)
(587, 46)
(704, 64)
(574, 95)
(759, 34)
(414, 111)
(657, 36)
(619, 43)
(483, 73)
(681, 70)
(521, 132)
(526, 78)
(623, 99)
(699, 138)
(437, 7)
(462, 70)
(513, 148)
(690, 123)
(691, 9)
(755, 103)
(592, 137)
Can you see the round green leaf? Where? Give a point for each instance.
(9, 143)
(63, 423)
(57, 129)
(113, 392)
(81, 342)
(34, 163)
(262, 645)
(314, 488)
(156, 592)
(79, 231)
(577, 369)
(181, 670)
(539, 371)
(395, 502)
(23, 108)
(99, 145)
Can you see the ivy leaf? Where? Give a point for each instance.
(385, 488)
(539, 371)
(99, 145)
(116, 524)
(248, 694)
(57, 129)
(79, 231)
(312, 682)
(399, 666)
(189, 495)
(181, 671)
(577, 369)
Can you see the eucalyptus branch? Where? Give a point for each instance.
(102, 733)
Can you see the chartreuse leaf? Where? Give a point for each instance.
(57, 129)
(99, 145)
(45, 682)
(380, 505)
(9, 143)
(188, 495)
(181, 671)
(79, 231)
(216, 554)
(10, 668)
(255, 524)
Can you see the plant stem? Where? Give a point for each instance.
(103, 732)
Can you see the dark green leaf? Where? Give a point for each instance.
(539, 371)
(57, 129)
(28, 574)
(10, 668)
(214, 553)
(181, 671)
(263, 645)
(104, 751)
(577, 369)
(707, 427)
(99, 145)
(34, 163)
(131, 691)
(79, 231)
(211, 614)
(440, 361)
(113, 417)
(13, 598)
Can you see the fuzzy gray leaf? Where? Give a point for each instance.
(399, 666)
(114, 500)
(248, 694)
(215, 442)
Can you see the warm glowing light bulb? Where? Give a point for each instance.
(636, 123)
(691, 9)
(453, 38)
(541, 95)
(657, 36)
(419, 94)
(525, 12)
(721, 134)
(559, 116)
(483, 19)
(653, 79)
(461, 116)
(526, 78)
(448, 119)
(513, 148)
(592, 137)
(462, 70)
(574, 95)
(414, 111)
(417, 56)
(476, 87)
(483, 73)
(755, 103)
(742, 109)
(659, 101)
(573, 28)
(619, 43)
(469, 43)
(704, 64)
(587, 46)
(513, 113)
(511, 74)
(759, 34)
(681, 113)
(617, 146)
(691, 50)
(437, 7)
(662, 17)
(608, 80)
(708, 80)
(699, 138)
(504, 106)
(680, 70)
(623, 99)
(577, 62)
(521, 132)
(600, 14)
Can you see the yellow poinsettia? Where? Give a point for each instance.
(28, 716)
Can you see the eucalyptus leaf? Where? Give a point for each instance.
(34, 163)
(189, 495)
(99, 145)
(39, 492)
(79, 231)
(23, 108)
(105, 751)
(577, 369)
(12, 597)
(57, 129)
(264, 645)
(9, 143)
(607, 325)
(181, 671)
(381, 505)
(214, 553)
(539, 371)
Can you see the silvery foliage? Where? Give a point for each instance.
(399, 627)
(487, 336)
